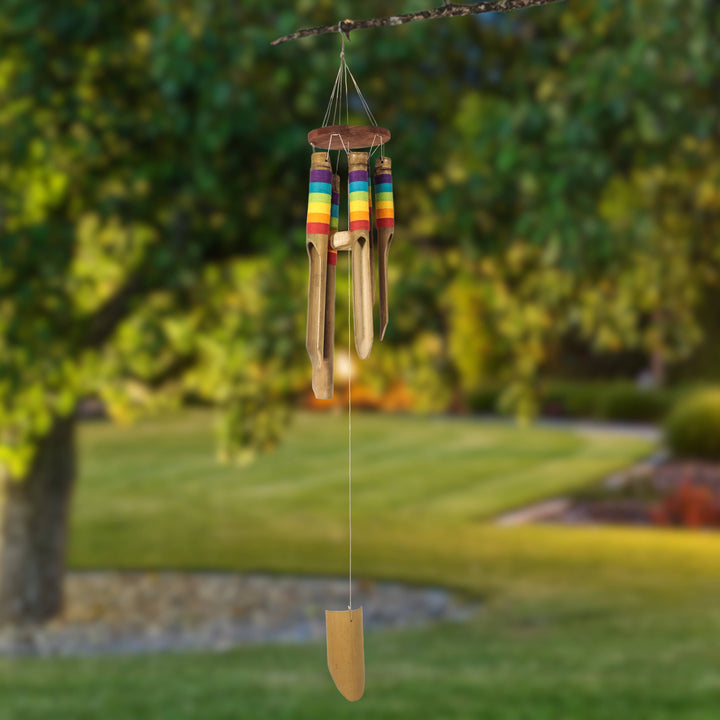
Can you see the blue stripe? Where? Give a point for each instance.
(335, 212)
(358, 186)
(383, 187)
(321, 187)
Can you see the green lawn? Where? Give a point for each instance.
(580, 623)
(153, 495)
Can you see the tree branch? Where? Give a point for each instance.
(101, 326)
(447, 10)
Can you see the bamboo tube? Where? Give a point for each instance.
(317, 234)
(373, 240)
(357, 241)
(323, 372)
(385, 228)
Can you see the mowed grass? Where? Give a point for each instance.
(154, 496)
(579, 623)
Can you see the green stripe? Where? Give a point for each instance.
(320, 198)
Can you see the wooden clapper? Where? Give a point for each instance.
(363, 238)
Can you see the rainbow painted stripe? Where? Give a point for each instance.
(370, 194)
(319, 202)
(359, 202)
(334, 219)
(384, 206)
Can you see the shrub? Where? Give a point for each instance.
(484, 400)
(611, 400)
(689, 505)
(625, 401)
(572, 399)
(693, 428)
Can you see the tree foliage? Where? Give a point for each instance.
(555, 172)
(128, 186)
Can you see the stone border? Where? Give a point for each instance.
(126, 613)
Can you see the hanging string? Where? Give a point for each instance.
(339, 100)
(340, 94)
(347, 91)
(349, 446)
(331, 106)
(374, 148)
(361, 97)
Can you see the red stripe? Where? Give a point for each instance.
(385, 222)
(359, 224)
(315, 228)
(332, 257)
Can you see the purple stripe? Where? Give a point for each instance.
(335, 198)
(321, 176)
(384, 178)
(358, 176)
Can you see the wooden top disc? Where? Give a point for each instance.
(351, 137)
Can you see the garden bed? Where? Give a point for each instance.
(657, 492)
(123, 613)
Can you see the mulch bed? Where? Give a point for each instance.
(665, 493)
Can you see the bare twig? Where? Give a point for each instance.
(445, 11)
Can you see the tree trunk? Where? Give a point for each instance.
(657, 354)
(657, 368)
(35, 529)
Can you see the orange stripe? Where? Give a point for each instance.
(318, 217)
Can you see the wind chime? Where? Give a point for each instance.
(344, 628)
(324, 239)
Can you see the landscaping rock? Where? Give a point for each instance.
(142, 612)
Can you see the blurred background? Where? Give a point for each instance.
(538, 435)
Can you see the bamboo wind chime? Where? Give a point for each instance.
(345, 648)
(324, 238)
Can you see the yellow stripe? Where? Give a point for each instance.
(319, 208)
(384, 205)
(358, 205)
